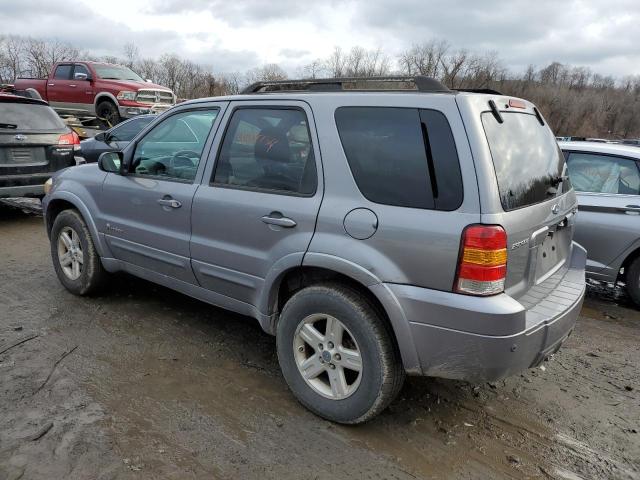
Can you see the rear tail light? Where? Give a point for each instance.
(69, 139)
(482, 267)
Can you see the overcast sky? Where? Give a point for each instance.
(234, 35)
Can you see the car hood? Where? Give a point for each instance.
(133, 85)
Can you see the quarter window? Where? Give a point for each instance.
(172, 149)
(267, 149)
(401, 156)
(63, 72)
(603, 173)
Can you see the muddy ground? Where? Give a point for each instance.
(141, 382)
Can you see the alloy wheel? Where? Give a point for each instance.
(327, 356)
(70, 253)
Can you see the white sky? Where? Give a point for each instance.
(234, 35)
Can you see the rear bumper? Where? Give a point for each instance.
(485, 339)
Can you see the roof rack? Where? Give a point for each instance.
(418, 83)
(490, 91)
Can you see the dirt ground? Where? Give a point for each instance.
(141, 382)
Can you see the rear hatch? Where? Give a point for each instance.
(34, 142)
(527, 191)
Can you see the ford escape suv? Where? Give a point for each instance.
(377, 227)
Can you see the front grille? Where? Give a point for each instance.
(155, 96)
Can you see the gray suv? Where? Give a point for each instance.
(377, 227)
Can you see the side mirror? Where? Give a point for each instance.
(110, 162)
(101, 137)
(80, 76)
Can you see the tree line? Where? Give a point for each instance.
(575, 100)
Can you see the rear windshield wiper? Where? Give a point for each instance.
(8, 125)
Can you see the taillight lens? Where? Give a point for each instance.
(70, 138)
(482, 266)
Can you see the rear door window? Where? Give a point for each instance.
(401, 156)
(591, 172)
(63, 72)
(23, 117)
(268, 149)
(526, 157)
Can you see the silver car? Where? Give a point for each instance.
(606, 178)
(375, 233)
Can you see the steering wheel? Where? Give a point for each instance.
(183, 154)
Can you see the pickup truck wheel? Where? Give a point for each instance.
(75, 259)
(633, 281)
(109, 112)
(337, 354)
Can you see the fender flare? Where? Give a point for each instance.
(399, 322)
(102, 95)
(84, 211)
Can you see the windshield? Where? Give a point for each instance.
(116, 72)
(526, 157)
(22, 117)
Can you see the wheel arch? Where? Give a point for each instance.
(628, 259)
(66, 201)
(104, 96)
(319, 269)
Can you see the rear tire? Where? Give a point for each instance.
(366, 371)
(633, 281)
(74, 256)
(107, 110)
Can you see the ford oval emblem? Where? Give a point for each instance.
(20, 137)
(555, 208)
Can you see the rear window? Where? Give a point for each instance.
(401, 156)
(27, 117)
(526, 157)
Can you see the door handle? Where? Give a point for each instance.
(73, 85)
(51, 84)
(276, 218)
(169, 202)
(632, 209)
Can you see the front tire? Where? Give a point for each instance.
(337, 354)
(108, 111)
(633, 281)
(74, 256)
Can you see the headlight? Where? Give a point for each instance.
(48, 185)
(126, 95)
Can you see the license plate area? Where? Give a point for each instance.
(23, 156)
(552, 253)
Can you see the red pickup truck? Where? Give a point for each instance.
(106, 90)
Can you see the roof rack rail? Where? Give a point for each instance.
(396, 83)
(490, 91)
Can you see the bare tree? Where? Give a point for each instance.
(131, 54)
(424, 59)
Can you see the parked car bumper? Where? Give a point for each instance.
(22, 191)
(129, 111)
(488, 338)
